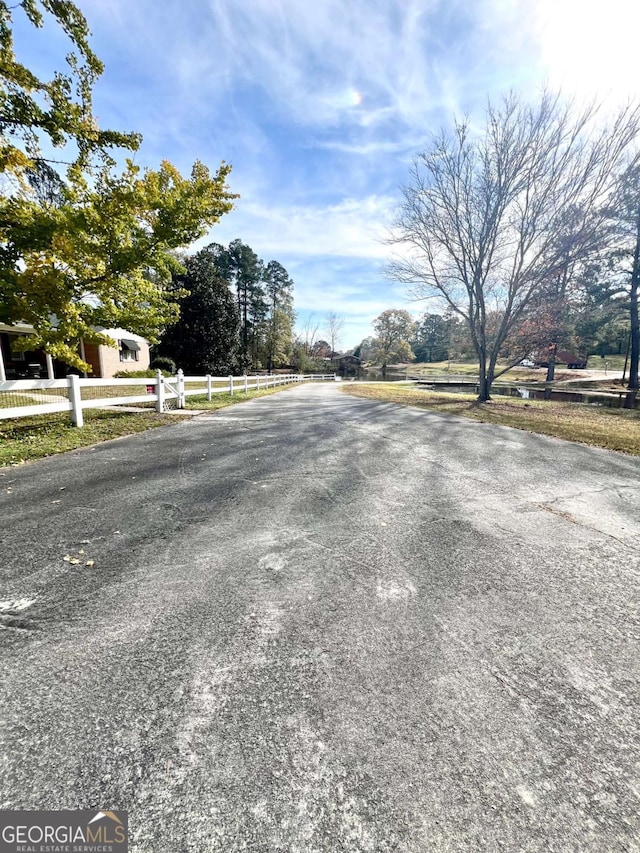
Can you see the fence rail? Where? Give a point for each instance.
(20, 398)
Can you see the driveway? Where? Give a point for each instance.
(318, 623)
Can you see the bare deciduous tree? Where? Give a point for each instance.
(334, 325)
(308, 332)
(489, 219)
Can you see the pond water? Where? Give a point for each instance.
(613, 400)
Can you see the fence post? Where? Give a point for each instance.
(208, 387)
(231, 385)
(257, 382)
(246, 379)
(75, 398)
(159, 391)
(180, 389)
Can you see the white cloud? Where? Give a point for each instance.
(312, 58)
(376, 147)
(354, 227)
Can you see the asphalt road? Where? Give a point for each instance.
(319, 623)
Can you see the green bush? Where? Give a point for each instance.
(139, 374)
(163, 362)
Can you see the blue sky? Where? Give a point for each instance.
(321, 105)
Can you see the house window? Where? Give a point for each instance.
(16, 355)
(129, 350)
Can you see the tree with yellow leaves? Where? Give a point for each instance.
(82, 247)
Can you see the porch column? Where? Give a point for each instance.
(83, 356)
(50, 374)
(3, 375)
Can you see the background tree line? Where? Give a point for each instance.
(592, 318)
(235, 313)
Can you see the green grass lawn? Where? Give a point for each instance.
(469, 370)
(9, 399)
(614, 429)
(459, 368)
(615, 362)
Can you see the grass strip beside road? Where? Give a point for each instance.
(26, 439)
(614, 429)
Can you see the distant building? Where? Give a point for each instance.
(570, 359)
(347, 365)
(132, 353)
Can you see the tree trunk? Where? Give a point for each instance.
(634, 356)
(384, 371)
(484, 389)
(632, 387)
(485, 380)
(551, 370)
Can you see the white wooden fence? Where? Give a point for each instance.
(74, 394)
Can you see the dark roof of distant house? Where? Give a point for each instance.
(563, 356)
(352, 359)
(568, 357)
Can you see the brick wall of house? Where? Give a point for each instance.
(92, 357)
(111, 362)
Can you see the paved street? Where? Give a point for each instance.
(319, 623)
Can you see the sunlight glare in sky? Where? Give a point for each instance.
(589, 49)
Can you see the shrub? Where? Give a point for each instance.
(138, 374)
(163, 362)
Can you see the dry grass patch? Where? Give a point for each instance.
(614, 429)
(469, 370)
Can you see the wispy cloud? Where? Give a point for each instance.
(352, 228)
